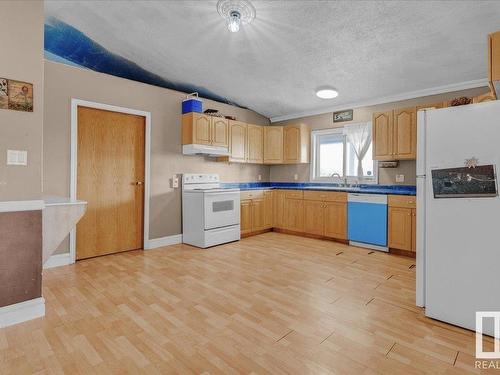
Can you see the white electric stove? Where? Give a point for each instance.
(210, 214)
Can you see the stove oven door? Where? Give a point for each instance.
(222, 209)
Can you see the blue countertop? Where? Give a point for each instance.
(362, 188)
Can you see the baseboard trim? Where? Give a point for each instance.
(22, 312)
(163, 241)
(57, 260)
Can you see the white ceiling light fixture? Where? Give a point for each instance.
(326, 92)
(236, 13)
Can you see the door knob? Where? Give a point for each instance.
(138, 183)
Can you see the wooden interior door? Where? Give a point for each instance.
(110, 177)
(405, 133)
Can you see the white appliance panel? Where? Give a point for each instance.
(420, 251)
(462, 255)
(221, 209)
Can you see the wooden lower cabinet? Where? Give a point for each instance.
(294, 214)
(246, 216)
(256, 211)
(268, 209)
(279, 209)
(314, 217)
(402, 223)
(335, 214)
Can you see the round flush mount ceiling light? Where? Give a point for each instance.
(326, 93)
(236, 13)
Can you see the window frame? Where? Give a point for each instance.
(335, 180)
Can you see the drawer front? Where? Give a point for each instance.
(296, 194)
(404, 201)
(251, 194)
(327, 196)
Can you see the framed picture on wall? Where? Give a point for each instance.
(20, 95)
(342, 116)
(4, 95)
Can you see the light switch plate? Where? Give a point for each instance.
(295, 176)
(400, 178)
(17, 157)
(259, 177)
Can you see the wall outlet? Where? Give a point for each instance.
(17, 157)
(175, 181)
(400, 178)
(295, 176)
(259, 177)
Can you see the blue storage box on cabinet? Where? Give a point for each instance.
(192, 104)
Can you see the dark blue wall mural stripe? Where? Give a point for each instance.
(63, 43)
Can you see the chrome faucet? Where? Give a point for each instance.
(340, 178)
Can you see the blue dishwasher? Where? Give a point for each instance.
(367, 220)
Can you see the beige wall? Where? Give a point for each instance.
(285, 173)
(21, 58)
(64, 82)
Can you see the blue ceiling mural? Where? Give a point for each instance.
(65, 44)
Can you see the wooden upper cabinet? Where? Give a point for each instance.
(382, 135)
(489, 96)
(196, 129)
(296, 139)
(494, 62)
(201, 129)
(255, 144)
(405, 133)
(237, 141)
(436, 105)
(336, 220)
(273, 144)
(220, 131)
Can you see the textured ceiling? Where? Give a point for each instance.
(366, 49)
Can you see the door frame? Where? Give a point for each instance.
(75, 103)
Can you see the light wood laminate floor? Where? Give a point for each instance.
(269, 304)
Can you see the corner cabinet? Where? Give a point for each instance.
(395, 134)
(201, 129)
(237, 143)
(255, 144)
(402, 223)
(273, 144)
(256, 210)
(296, 140)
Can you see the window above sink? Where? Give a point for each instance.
(334, 155)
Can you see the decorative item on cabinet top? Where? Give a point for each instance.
(267, 144)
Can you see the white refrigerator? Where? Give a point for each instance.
(458, 213)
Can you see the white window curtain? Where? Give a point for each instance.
(360, 137)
